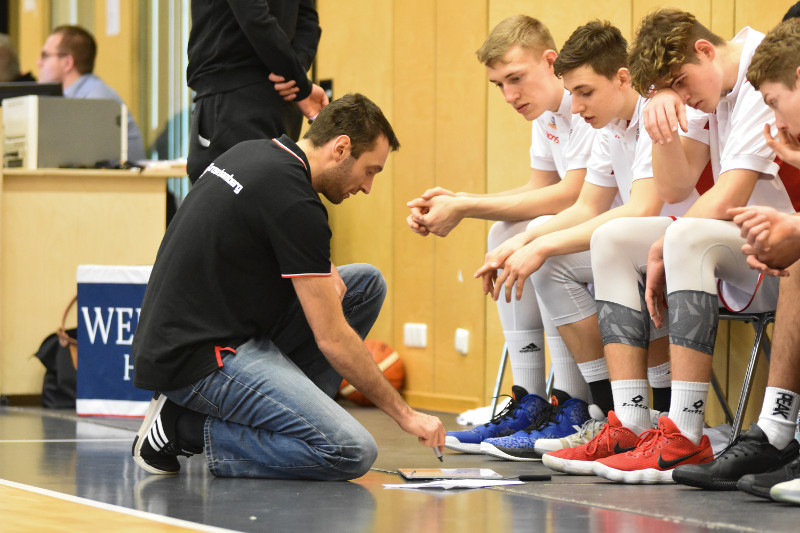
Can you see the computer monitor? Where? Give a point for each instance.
(24, 88)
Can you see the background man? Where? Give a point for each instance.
(68, 58)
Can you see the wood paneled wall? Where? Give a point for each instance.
(416, 59)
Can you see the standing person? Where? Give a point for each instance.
(518, 55)
(593, 64)
(247, 328)
(247, 65)
(68, 58)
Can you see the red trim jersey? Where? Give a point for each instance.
(223, 272)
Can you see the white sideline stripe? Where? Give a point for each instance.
(114, 508)
(63, 440)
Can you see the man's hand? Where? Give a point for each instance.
(656, 283)
(496, 260)
(773, 238)
(663, 114)
(428, 429)
(313, 103)
(287, 89)
(786, 146)
(341, 288)
(418, 213)
(438, 215)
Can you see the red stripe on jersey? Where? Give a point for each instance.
(293, 154)
(706, 180)
(218, 352)
(286, 276)
(790, 176)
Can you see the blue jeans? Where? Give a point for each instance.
(270, 406)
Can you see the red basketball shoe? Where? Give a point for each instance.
(657, 453)
(614, 438)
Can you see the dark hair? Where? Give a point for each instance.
(356, 116)
(598, 44)
(793, 12)
(80, 44)
(777, 57)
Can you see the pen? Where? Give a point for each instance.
(438, 453)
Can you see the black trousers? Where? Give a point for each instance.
(222, 120)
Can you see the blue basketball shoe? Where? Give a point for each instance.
(556, 422)
(520, 413)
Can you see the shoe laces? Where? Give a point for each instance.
(509, 411)
(548, 414)
(589, 427)
(648, 440)
(740, 447)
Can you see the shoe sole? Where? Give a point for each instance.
(784, 495)
(452, 443)
(494, 451)
(568, 466)
(646, 476)
(136, 449)
(704, 483)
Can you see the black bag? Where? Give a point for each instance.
(61, 379)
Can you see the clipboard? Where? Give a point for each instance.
(449, 473)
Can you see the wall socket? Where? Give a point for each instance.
(415, 335)
(462, 341)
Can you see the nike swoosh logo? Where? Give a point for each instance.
(666, 465)
(618, 449)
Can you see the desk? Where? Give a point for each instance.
(51, 221)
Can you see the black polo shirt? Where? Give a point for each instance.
(223, 272)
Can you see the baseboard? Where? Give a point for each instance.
(440, 402)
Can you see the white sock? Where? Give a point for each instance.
(631, 404)
(526, 353)
(660, 376)
(594, 370)
(688, 408)
(566, 374)
(778, 418)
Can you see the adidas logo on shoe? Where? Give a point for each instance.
(156, 447)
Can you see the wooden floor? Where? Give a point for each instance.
(59, 472)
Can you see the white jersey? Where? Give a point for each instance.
(561, 141)
(622, 154)
(734, 134)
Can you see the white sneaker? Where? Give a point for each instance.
(587, 432)
(654, 416)
(788, 491)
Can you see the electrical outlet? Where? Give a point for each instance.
(462, 341)
(415, 335)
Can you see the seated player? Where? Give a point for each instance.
(593, 64)
(518, 55)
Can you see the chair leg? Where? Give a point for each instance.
(550, 379)
(760, 328)
(499, 381)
